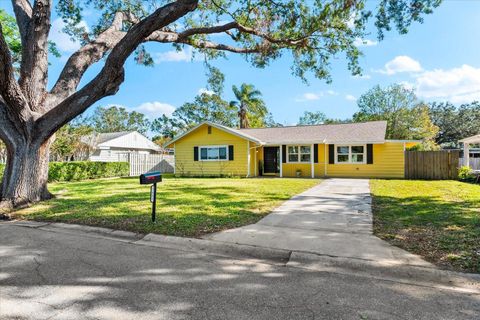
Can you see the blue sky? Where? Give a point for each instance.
(440, 59)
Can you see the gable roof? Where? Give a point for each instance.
(363, 132)
(96, 140)
(472, 139)
(235, 132)
(104, 137)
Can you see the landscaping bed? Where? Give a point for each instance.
(185, 206)
(439, 220)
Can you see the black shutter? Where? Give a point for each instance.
(331, 153)
(195, 153)
(230, 153)
(284, 154)
(369, 153)
(315, 153)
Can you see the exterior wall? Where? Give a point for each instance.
(290, 169)
(132, 141)
(184, 161)
(388, 162)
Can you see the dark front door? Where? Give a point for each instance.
(270, 159)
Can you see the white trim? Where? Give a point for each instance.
(248, 159)
(212, 160)
(174, 160)
(281, 160)
(255, 159)
(350, 153)
(325, 159)
(299, 153)
(312, 152)
(220, 127)
(404, 141)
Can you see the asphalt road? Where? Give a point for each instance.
(67, 275)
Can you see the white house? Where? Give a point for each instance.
(111, 147)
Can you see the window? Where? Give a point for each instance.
(214, 153)
(350, 154)
(299, 154)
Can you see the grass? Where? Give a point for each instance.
(185, 206)
(439, 220)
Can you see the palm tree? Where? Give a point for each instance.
(251, 108)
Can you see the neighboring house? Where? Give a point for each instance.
(114, 146)
(337, 150)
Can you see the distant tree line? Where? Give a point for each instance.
(437, 124)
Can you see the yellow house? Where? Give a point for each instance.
(333, 150)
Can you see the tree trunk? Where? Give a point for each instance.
(26, 174)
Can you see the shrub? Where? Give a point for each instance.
(82, 170)
(465, 173)
(2, 167)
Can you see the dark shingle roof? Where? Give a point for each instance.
(363, 132)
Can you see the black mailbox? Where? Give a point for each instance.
(150, 178)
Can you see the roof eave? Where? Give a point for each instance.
(220, 127)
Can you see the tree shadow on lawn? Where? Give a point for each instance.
(181, 211)
(446, 233)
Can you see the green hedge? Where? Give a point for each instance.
(82, 170)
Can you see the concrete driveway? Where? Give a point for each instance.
(332, 219)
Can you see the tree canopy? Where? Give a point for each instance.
(310, 118)
(455, 123)
(406, 116)
(116, 119)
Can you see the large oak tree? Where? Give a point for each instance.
(262, 30)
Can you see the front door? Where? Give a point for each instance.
(270, 159)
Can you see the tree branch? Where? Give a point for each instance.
(13, 100)
(80, 61)
(23, 13)
(34, 66)
(108, 81)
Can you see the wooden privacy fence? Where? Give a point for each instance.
(432, 165)
(143, 163)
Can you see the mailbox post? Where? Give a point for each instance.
(152, 178)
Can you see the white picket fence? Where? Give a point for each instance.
(474, 163)
(142, 163)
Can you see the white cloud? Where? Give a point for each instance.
(311, 96)
(63, 41)
(407, 85)
(349, 97)
(155, 109)
(401, 64)
(364, 42)
(362, 77)
(206, 91)
(184, 55)
(458, 85)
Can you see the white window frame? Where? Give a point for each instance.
(210, 160)
(299, 146)
(350, 153)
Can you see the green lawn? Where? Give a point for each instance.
(439, 220)
(185, 207)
